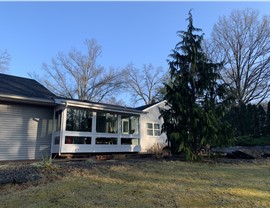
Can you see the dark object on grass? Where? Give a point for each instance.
(5, 181)
(239, 155)
(265, 155)
(20, 180)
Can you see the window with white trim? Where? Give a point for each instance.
(153, 129)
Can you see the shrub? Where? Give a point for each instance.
(156, 150)
(251, 141)
(46, 162)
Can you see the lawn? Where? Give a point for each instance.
(148, 183)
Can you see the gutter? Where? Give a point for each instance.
(28, 100)
(97, 106)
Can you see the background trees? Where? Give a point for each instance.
(4, 60)
(249, 120)
(195, 98)
(145, 84)
(242, 42)
(77, 75)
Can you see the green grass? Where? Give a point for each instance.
(151, 184)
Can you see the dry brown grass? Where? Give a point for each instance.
(150, 184)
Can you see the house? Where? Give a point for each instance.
(26, 118)
(35, 123)
(150, 126)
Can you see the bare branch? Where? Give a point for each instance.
(145, 84)
(242, 42)
(4, 61)
(77, 75)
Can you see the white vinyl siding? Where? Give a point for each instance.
(25, 131)
(152, 115)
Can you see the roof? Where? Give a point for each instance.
(98, 106)
(23, 88)
(145, 107)
(13, 88)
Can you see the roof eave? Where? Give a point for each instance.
(97, 106)
(163, 101)
(28, 100)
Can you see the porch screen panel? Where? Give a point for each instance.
(107, 122)
(79, 119)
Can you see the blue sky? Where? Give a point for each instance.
(138, 32)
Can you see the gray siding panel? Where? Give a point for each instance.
(25, 131)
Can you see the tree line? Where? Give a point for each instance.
(250, 120)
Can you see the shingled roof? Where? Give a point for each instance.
(19, 89)
(144, 107)
(24, 87)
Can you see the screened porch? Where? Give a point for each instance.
(95, 128)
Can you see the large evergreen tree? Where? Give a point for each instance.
(195, 99)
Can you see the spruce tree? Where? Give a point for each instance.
(195, 98)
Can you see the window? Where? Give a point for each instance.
(153, 129)
(107, 123)
(125, 126)
(130, 124)
(150, 129)
(79, 119)
(77, 140)
(106, 141)
(156, 129)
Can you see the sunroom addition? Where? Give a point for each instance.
(84, 127)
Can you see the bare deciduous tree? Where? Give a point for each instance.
(78, 75)
(4, 61)
(242, 42)
(146, 84)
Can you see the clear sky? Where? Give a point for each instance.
(138, 32)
